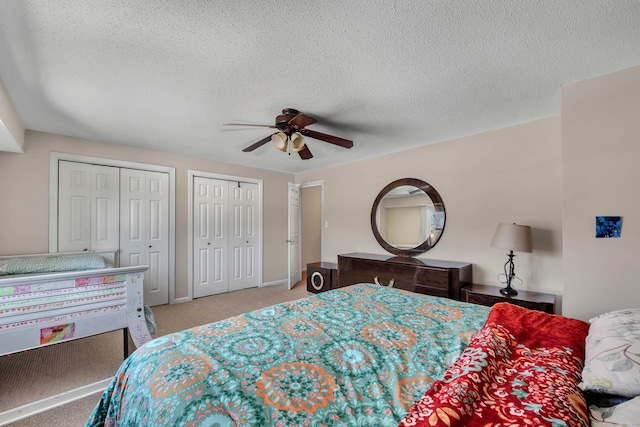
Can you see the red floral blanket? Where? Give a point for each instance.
(521, 369)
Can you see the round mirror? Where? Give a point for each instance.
(408, 217)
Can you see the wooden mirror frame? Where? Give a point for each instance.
(438, 207)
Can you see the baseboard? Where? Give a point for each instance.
(283, 281)
(180, 300)
(275, 282)
(30, 409)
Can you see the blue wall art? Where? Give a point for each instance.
(608, 226)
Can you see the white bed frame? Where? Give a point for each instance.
(47, 308)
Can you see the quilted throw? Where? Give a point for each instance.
(355, 356)
(521, 369)
(54, 264)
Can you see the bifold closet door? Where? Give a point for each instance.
(88, 207)
(244, 206)
(144, 229)
(210, 236)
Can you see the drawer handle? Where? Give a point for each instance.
(377, 282)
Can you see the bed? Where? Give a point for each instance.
(50, 298)
(363, 355)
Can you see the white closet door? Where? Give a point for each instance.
(251, 227)
(144, 231)
(210, 236)
(157, 233)
(243, 235)
(105, 207)
(88, 207)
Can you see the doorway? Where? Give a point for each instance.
(311, 222)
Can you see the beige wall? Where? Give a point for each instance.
(507, 175)
(601, 168)
(24, 195)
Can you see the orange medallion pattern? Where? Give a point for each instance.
(296, 387)
(389, 334)
(179, 373)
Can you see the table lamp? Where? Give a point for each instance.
(512, 237)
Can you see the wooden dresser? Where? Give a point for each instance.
(425, 276)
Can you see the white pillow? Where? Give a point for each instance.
(623, 414)
(612, 354)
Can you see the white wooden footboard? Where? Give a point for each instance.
(44, 309)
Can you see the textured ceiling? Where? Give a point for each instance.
(390, 75)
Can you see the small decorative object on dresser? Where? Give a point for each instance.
(425, 276)
(321, 276)
(490, 295)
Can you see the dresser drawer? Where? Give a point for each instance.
(430, 279)
(410, 274)
(490, 295)
(421, 289)
(348, 278)
(427, 287)
(369, 271)
(433, 278)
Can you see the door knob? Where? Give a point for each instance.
(289, 241)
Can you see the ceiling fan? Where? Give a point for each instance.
(291, 125)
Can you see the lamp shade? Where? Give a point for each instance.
(513, 237)
(297, 142)
(280, 141)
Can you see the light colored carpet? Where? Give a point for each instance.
(34, 375)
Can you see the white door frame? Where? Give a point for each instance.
(55, 157)
(191, 175)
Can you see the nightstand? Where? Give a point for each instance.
(490, 295)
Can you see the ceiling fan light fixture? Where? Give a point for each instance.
(297, 142)
(280, 141)
(291, 133)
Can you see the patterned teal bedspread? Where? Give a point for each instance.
(355, 356)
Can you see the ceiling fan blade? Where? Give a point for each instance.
(327, 138)
(249, 124)
(302, 120)
(258, 144)
(305, 153)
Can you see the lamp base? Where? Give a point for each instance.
(508, 291)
